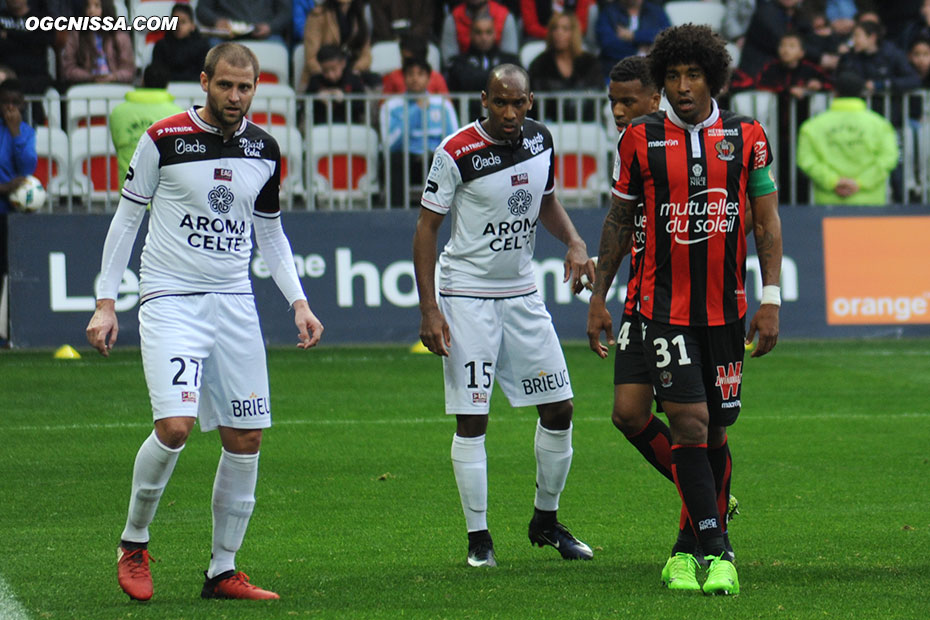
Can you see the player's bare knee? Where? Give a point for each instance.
(239, 441)
(173, 432)
(471, 425)
(556, 416)
(627, 421)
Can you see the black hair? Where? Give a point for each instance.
(416, 61)
(183, 7)
(691, 44)
(632, 68)
(155, 76)
(11, 85)
(330, 52)
(417, 46)
(871, 28)
(849, 84)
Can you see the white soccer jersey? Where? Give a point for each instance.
(208, 190)
(493, 190)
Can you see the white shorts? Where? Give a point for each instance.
(510, 339)
(204, 356)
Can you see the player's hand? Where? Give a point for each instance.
(765, 322)
(599, 321)
(579, 268)
(434, 332)
(309, 328)
(103, 327)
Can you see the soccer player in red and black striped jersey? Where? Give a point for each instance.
(698, 170)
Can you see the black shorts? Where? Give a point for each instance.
(697, 364)
(630, 362)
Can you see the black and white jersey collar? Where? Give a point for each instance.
(205, 126)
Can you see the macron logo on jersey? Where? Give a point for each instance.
(661, 143)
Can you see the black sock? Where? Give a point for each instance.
(654, 442)
(128, 545)
(479, 536)
(695, 482)
(721, 463)
(544, 517)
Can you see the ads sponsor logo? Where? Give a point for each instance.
(707, 213)
(480, 163)
(183, 147)
(716, 132)
(545, 382)
(887, 286)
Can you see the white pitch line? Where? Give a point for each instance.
(10, 608)
(442, 419)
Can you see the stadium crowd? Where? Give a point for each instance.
(342, 59)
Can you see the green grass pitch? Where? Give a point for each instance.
(358, 515)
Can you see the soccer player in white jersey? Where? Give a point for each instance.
(495, 176)
(211, 177)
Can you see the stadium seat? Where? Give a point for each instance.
(291, 144)
(52, 148)
(760, 105)
(141, 39)
(580, 160)
(343, 163)
(274, 104)
(297, 64)
(385, 57)
(529, 51)
(187, 94)
(90, 104)
(273, 60)
(434, 57)
(94, 157)
(696, 12)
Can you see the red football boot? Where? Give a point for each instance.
(132, 569)
(234, 585)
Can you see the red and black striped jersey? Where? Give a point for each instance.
(692, 180)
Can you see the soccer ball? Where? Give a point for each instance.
(29, 196)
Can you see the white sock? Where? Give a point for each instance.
(153, 467)
(553, 460)
(470, 464)
(233, 501)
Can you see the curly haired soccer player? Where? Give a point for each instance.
(212, 178)
(698, 172)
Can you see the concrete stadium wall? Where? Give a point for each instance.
(847, 272)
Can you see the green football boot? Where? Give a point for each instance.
(721, 576)
(680, 573)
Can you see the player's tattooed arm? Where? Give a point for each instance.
(767, 227)
(769, 250)
(616, 241)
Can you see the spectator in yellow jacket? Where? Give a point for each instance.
(848, 151)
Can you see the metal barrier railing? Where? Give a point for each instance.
(337, 154)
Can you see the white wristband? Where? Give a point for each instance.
(771, 294)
